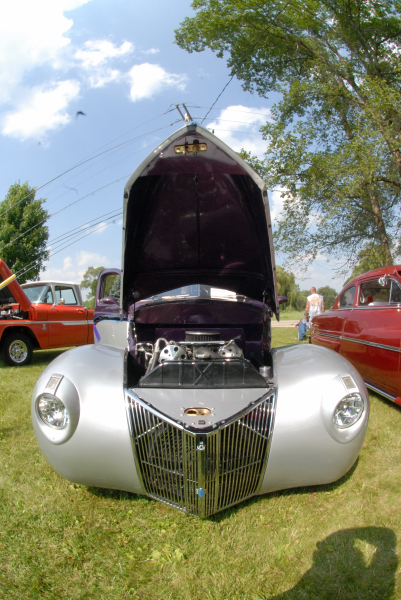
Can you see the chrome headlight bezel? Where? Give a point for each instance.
(340, 388)
(63, 393)
(47, 413)
(354, 404)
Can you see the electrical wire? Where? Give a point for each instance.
(245, 58)
(51, 254)
(84, 162)
(63, 209)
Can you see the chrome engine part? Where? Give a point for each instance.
(198, 346)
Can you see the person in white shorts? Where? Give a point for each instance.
(314, 304)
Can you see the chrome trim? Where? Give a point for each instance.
(395, 305)
(201, 472)
(362, 342)
(379, 391)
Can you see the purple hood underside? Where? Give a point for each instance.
(197, 217)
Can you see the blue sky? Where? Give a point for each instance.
(116, 62)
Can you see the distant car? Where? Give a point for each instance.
(40, 315)
(181, 397)
(364, 325)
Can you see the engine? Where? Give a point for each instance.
(202, 360)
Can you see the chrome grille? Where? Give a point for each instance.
(201, 473)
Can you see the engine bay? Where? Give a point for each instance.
(201, 360)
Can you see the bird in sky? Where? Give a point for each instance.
(79, 112)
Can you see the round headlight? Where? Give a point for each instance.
(52, 411)
(348, 411)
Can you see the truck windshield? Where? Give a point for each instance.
(39, 293)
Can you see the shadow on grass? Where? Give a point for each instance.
(350, 564)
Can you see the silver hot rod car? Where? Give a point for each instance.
(181, 397)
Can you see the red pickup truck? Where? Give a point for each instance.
(40, 315)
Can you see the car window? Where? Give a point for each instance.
(39, 293)
(375, 292)
(110, 286)
(66, 295)
(347, 298)
(395, 292)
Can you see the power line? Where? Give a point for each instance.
(83, 162)
(62, 209)
(33, 263)
(245, 58)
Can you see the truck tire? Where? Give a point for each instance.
(17, 349)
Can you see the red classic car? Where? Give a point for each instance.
(364, 325)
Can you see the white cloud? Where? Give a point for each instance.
(150, 51)
(238, 126)
(98, 52)
(41, 110)
(91, 259)
(147, 80)
(99, 77)
(276, 203)
(32, 34)
(73, 269)
(101, 227)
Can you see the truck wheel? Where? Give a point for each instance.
(17, 349)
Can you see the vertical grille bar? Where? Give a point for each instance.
(201, 473)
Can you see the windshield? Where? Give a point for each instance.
(39, 293)
(196, 291)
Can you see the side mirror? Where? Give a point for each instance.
(110, 301)
(282, 299)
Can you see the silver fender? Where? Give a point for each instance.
(99, 452)
(306, 448)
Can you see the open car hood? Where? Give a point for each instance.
(195, 212)
(13, 292)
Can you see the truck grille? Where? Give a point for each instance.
(201, 473)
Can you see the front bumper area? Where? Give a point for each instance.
(201, 472)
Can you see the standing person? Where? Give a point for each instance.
(314, 304)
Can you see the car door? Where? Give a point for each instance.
(67, 319)
(372, 334)
(327, 328)
(109, 326)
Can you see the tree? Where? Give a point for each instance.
(89, 282)
(286, 286)
(370, 257)
(334, 140)
(329, 294)
(23, 233)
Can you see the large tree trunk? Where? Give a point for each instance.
(381, 228)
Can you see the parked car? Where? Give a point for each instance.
(364, 325)
(181, 397)
(40, 315)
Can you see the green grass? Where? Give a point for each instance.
(64, 541)
(291, 315)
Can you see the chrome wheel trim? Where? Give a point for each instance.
(18, 351)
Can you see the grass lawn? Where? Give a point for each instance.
(290, 315)
(64, 541)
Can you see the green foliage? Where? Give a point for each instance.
(89, 282)
(287, 287)
(329, 294)
(23, 233)
(370, 257)
(334, 138)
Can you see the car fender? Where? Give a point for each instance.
(99, 451)
(306, 447)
